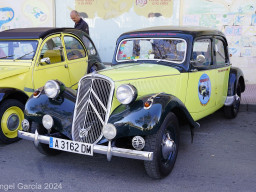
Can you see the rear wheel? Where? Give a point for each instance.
(11, 115)
(164, 144)
(43, 148)
(232, 110)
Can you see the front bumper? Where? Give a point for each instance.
(106, 150)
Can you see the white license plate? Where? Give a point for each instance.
(71, 146)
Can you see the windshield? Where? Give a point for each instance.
(159, 49)
(24, 50)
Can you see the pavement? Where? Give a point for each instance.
(248, 102)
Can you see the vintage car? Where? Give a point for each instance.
(29, 57)
(162, 77)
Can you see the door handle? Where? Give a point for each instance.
(66, 66)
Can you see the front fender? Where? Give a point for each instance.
(235, 76)
(61, 109)
(134, 119)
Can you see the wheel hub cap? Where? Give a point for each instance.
(168, 146)
(13, 122)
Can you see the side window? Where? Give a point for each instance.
(53, 49)
(220, 52)
(74, 48)
(89, 46)
(202, 47)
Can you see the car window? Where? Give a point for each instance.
(74, 48)
(220, 52)
(24, 50)
(202, 47)
(161, 49)
(89, 46)
(53, 49)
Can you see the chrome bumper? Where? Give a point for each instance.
(106, 150)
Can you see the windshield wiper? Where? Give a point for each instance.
(23, 56)
(6, 56)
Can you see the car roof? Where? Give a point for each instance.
(192, 30)
(34, 33)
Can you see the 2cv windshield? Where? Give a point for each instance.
(23, 49)
(160, 49)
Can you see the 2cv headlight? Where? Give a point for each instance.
(52, 89)
(126, 93)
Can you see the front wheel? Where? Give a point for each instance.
(43, 148)
(164, 144)
(11, 115)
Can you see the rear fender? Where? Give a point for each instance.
(235, 76)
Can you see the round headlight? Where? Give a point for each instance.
(109, 131)
(126, 93)
(52, 89)
(47, 122)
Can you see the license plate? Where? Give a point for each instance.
(71, 146)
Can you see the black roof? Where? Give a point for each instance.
(34, 33)
(192, 30)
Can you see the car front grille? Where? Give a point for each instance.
(92, 108)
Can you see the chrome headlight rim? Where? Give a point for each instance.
(130, 89)
(56, 89)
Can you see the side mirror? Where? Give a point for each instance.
(45, 61)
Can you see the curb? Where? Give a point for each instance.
(247, 108)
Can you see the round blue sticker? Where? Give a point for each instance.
(204, 89)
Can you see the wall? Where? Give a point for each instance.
(107, 19)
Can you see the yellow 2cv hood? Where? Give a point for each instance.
(138, 71)
(8, 71)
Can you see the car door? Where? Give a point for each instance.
(77, 59)
(201, 92)
(221, 61)
(51, 48)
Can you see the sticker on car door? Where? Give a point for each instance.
(204, 89)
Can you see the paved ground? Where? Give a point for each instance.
(222, 158)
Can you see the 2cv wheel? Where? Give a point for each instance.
(164, 144)
(43, 148)
(11, 116)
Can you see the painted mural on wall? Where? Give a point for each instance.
(235, 18)
(26, 13)
(108, 9)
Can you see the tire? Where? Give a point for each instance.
(11, 116)
(163, 158)
(43, 148)
(232, 111)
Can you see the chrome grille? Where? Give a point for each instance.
(92, 108)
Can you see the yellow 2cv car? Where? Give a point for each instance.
(31, 56)
(162, 77)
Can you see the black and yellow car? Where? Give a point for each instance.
(29, 57)
(161, 77)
